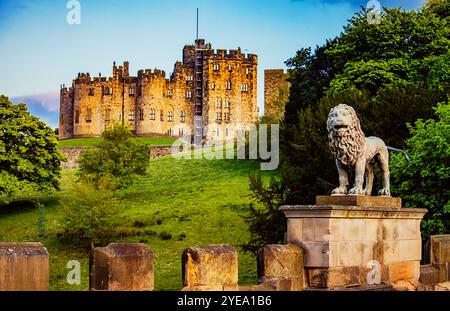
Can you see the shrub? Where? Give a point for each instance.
(91, 213)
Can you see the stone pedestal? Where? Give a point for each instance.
(23, 267)
(356, 241)
(123, 266)
(210, 268)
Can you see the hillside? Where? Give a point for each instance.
(180, 203)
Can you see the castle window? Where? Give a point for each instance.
(218, 103)
(244, 87)
(152, 114)
(226, 104)
(228, 86)
(141, 114)
(169, 92)
(77, 116)
(229, 67)
(188, 94)
(89, 115)
(182, 116)
(216, 67)
(170, 116)
(247, 71)
(161, 116)
(91, 91)
(218, 116)
(213, 86)
(131, 91)
(108, 115)
(170, 132)
(107, 91)
(131, 116)
(226, 116)
(189, 78)
(180, 131)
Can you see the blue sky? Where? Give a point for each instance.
(40, 50)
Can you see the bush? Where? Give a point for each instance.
(91, 213)
(119, 155)
(425, 181)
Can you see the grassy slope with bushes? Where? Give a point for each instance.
(180, 203)
(89, 142)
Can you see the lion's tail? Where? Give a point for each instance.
(399, 150)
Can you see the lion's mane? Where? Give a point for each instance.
(347, 146)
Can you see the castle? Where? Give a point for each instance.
(211, 95)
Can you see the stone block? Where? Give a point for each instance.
(295, 230)
(123, 266)
(391, 252)
(321, 229)
(316, 254)
(281, 263)
(408, 270)
(410, 250)
(440, 249)
(428, 275)
(210, 265)
(331, 278)
(23, 267)
(308, 229)
(362, 201)
(354, 229)
(409, 230)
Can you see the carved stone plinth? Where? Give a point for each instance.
(356, 240)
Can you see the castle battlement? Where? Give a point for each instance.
(149, 73)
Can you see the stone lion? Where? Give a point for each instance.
(353, 150)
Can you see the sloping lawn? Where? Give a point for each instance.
(89, 142)
(180, 203)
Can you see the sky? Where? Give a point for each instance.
(40, 50)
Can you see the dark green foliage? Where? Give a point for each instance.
(119, 155)
(266, 223)
(392, 73)
(29, 156)
(92, 213)
(425, 181)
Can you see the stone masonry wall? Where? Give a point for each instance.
(275, 83)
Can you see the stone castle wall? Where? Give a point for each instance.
(153, 104)
(276, 91)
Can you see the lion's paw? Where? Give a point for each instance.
(339, 191)
(385, 192)
(356, 191)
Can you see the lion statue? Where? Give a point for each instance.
(353, 150)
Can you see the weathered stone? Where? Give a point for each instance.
(343, 243)
(440, 255)
(358, 200)
(276, 91)
(428, 275)
(123, 266)
(282, 264)
(213, 265)
(23, 267)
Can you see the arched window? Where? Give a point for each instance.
(182, 116)
(226, 104)
(218, 103)
(228, 86)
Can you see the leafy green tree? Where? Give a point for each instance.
(425, 181)
(29, 156)
(119, 155)
(92, 212)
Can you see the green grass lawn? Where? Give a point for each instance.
(196, 202)
(89, 142)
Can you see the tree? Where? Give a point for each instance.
(425, 181)
(119, 155)
(29, 156)
(91, 213)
